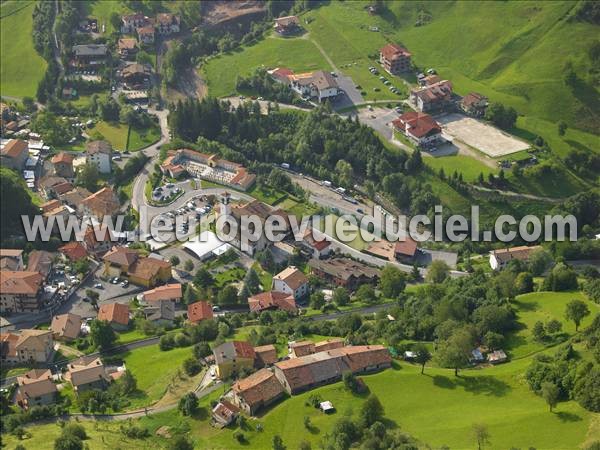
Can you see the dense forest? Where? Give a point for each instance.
(324, 145)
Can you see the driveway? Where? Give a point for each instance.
(350, 97)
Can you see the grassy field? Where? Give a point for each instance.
(116, 134)
(154, 371)
(21, 67)
(469, 167)
(515, 417)
(543, 306)
(300, 55)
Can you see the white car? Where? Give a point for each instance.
(98, 286)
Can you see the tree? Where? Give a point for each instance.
(101, 334)
(115, 21)
(576, 311)
(501, 116)
(455, 351)
(227, 296)
(191, 366)
(423, 356)
(482, 435)
(203, 278)
(554, 326)
(202, 350)
(68, 442)
(174, 260)
(88, 177)
(371, 411)
(539, 261)
(366, 293)
(13, 187)
(493, 340)
(392, 281)
(188, 265)
(182, 443)
(562, 127)
(75, 429)
(350, 381)
(524, 283)
(341, 296)
(437, 271)
(188, 404)
(252, 281)
(561, 278)
(587, 389)
(189, 295)
(317, 300)
(278, 443)
(550, 392)
(538, 332)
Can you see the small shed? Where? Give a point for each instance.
(410, 355)
(497, 357)
(326, 407)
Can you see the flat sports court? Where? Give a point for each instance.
(477, 134)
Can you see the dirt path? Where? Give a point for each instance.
(518, 194)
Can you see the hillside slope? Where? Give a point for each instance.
(21, 67)
(513, 51)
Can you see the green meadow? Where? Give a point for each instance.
(221, 72)
(21, 67)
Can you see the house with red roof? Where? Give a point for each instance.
(63, 165)
(117, 314)
(474, 104)
(419, 127)
(199, 311)
(395, 59)
(272, 300)
(257, 391)
(432, 98)
(14, 154)
(406, 250)
(232, 357)
(74, 251)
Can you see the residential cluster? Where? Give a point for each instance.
(433, 96)
(307, 366)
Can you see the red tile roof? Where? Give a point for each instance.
(21, 282)
(260, 387)
(114, 313)
(62, 157)
(167, 292)
(74, 251)
(14, 148)
(121, 256)
(266, 353)
(394, 51)
(417, 123)
(271, 299)
(408, 247)
(199, 311)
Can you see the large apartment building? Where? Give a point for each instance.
(395, 59)
(20, 291)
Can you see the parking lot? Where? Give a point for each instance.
(165, 192)
(184, 219)
(486, 138)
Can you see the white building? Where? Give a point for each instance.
(99, 153)
(499, 259)
(291, 281)
(320, 85)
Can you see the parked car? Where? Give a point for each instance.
(125, 283)
(98, 286)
